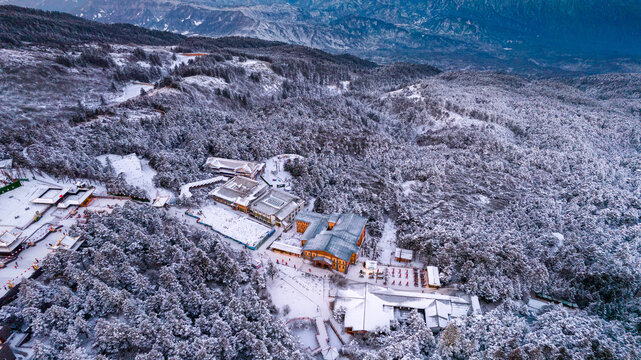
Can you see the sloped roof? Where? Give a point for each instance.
(368, 307)
(232, 164)
(286, 247)
(277, 202)
(333, 244)
(350, 223)
(341, 241)
(240, 190)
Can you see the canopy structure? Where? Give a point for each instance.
(323, 260)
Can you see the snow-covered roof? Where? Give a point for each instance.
(75, 197)
(236, 166)
(9, 240)
(404, 254)
(278, 203)
(292, 249)
(341, 241)
(50, 195)
(240, 190)
(433, 278)
(333, 243)
(350, 223)
(368, 307)
(67, 242)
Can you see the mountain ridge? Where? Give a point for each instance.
(562, 35)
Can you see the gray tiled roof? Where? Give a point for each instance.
(341, 241)
(240, 190)
(351, 223)
(276, 202)
(334, 244)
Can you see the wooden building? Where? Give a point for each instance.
(277, 207)
(331, 241)
(239, 193)
(231, 167)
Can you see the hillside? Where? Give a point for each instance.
(511, 185)
(525, 36)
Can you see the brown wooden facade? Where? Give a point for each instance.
(337, 264)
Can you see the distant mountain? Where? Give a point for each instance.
(520, 35)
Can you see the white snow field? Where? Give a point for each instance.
(275, 174)
(233, 225)
(132, 90)
(387, 244)
(137, 172)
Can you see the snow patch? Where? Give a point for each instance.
(137, 172)
(275, 174)
(207, 81)
(131, 91)
(387, 244)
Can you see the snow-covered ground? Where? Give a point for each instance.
(275, 174)
(131, 91)
(269, 80)
(408, 186)
(305, 331)
(233, 224)
(303, 293)
(104, 204)
(207, 81)
(137, 172)
(387, 244)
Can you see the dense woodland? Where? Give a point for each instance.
(510, 185)
(149, 288)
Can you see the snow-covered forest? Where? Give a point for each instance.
(148, 288)
(511, 185)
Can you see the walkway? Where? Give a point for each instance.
(186, 194)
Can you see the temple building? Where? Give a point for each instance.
(277, 207)
(331, 240)
(230, 167)
(239, 193)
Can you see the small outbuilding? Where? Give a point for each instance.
(404, 255)
(433, 277)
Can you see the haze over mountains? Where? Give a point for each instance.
(521, 36)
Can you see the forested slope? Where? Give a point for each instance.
(511, 185)
(149, 288)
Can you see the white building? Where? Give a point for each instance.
(231, 167)
(50, 195)
(403, 255)
(433, 277)
(277, 207)
(9, 241)
(75, 197)
(239, 192)
(369, 307)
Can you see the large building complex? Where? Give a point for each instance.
(369, 307)
(331, 240)
(239, 192)
(231, 167)
(254, 197)
(277, 207)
